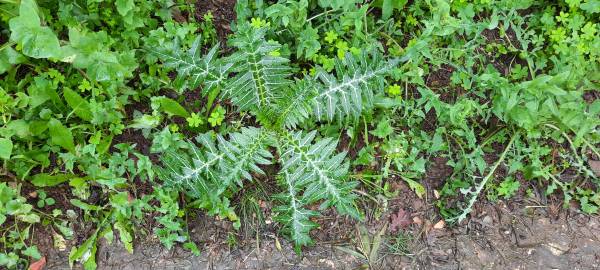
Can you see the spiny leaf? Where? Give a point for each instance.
(261, 76)
(319, 170)
(245, 151)
(197, 69)
(205, 173)
(293, 214)
(351, 90)
(343, 96)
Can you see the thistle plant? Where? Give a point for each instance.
(260, 82)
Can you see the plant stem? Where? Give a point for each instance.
(483, 182)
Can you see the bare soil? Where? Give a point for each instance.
(523, 233)
(517, 235)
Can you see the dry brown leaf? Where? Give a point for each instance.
(427, 226)
(262, 204)
(400, 220)
(38, 265)
(440, 224)
(277, 244)
(417, 220)
(59, 242)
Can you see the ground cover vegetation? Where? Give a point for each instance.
(124, 119)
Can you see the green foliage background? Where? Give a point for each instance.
(328, 101)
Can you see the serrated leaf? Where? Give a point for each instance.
(125, 236)
(262, 76)
(61, 135)
(308, 44)
(217, 166)
(349, 91)
(383, 129)
(85, 252)
(194, 68)
(89, 51)
(416, 187)
(321, 172)
(191, 246)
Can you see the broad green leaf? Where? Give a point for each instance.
(41, 91)
(388, 6)
(6, 193)
(65, 230)
(107, 234)
(386, 102)
(124, 6)
(120, 201)
(111, 183)
(85, 206)
(591, 6)
(6, 147)
(38, 127)
(47, 180)
(36, 41)
(61, 135)
(104, 144)
(90, 51)
(80, 106)
(90, 262)
(146, 121)
(16, 207)
(172, 107)
(32, 252)
(19, 127)
(8, 58)
(9, 260)
(419, 165)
